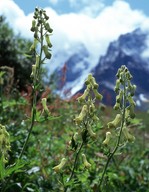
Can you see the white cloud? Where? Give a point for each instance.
(86, 7)
(16, 17)
(54, 2)
(76, 3)
(93, 8)
(94, 32)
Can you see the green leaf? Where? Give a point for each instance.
(53, 118)
(2, 169)
(42, 118)
(17, 167)
(28, 56)
(2, 73)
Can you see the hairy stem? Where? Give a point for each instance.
(36, 80)
(118, 140)
(75, 163)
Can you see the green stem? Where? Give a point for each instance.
(117, 143)
(1, 100)
(35, 81)
(109, 159)
(75, 163)
(29, 133)
(34, 102)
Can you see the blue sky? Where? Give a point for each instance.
(66, 6)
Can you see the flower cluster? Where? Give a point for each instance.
(87, 116)
(124, 103)
(85, 120)
(42, 31)
(88, 111)
(4, 144)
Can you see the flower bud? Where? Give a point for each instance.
(33, 74)
(45, 16)
(33, 28)
(84, 110)
(83, 97)
(75, 137)
(37, 61)
(36, 10)
(131, 101)
(4, 143)
(82, 115)
(128, 75)
(116, 106)
(121, 78)
(60, 166)
(95, 118)
(87, 82)
(91, 109)
(115, 122)
(36, 33)
(78, 120)
(91, 133)
(46, 51)
(44, 104)
(118, 73)
(48, 28)
(123, 67)
(97, 95)
(131, 111)
(73, 141)
(107, 139)
(128, 136)
(34, 45)
(48, 41)
(93, 82)
(127, 111)
(132, 90)
(118, 99)
(90, 77)
(35, 16)
(86, 163)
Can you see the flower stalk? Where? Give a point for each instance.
(125, 105)
(85, 120)
(40, 48)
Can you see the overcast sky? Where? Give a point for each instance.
(94, 23)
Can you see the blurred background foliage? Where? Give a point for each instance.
(49, 143)
(12, 54)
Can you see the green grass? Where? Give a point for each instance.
(59, 145)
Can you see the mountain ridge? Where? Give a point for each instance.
(127, 50)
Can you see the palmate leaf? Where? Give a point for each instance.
(17, 167)
(41, 118)
(50, 118)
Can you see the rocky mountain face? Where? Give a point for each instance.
(127, 50)
(74, 70)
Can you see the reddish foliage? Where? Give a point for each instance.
(63, 76)
(28, 96)
(75, 97)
